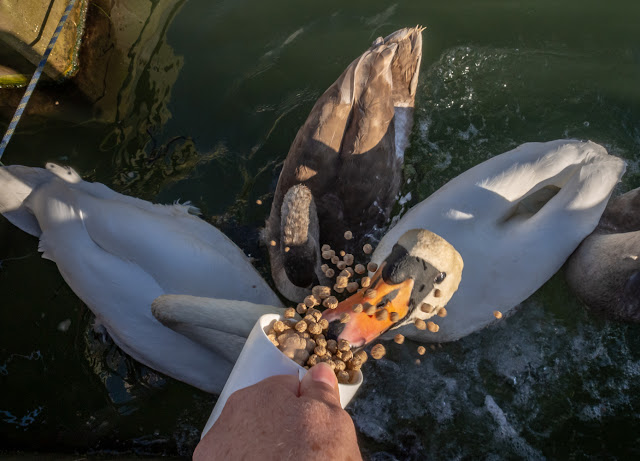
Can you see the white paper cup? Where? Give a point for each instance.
(260, 359)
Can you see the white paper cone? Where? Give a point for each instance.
(260, 359)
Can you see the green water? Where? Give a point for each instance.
(212, 122)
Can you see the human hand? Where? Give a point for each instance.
(283, 418)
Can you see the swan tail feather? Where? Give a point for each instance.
(16, 184)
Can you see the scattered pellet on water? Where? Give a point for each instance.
(350, 271)
(369, 309)
(324, 267)
(421, 350)
(324, 323)
(325, 247)
(310, 301)
(378, 351)
(433, 327)
(341, 265)
(357, 308)
(258, 202)
(349, 259)
(289, 313)
(399, 339)
(427, 308)
(344, 273)
(370, 293)
(330, 303)
(437, 293)
(329, 273)
(335, 260)
(342, 281)
(365, 282)
(348, 235)
(326, 255)
(352, 287)
(286, 249)
(301, 326)
(360, 269)
(442, 312)
(367, 249)
(394, 317)
(372, 267)
(314, 329)
(420, 324)
(345, 318)
(333, 253)
(332, 345)
(382, 314)
(279, 326)
(497, 314)
(342, 253)
(272, 243)
(338, 289)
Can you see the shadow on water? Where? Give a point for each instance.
(202, 103)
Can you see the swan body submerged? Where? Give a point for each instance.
(119, 253)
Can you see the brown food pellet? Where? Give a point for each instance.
(346, 355)
(310, 301)
(345, 273)
(352, 287)
(314, 329)
(345, 318)
(343, 377)
(344, 345)
(350, 271)
(321, 341)
(330, 273)
(335, 259)
(437, 293)
(361, 355)
(348, 259)
(420, 324)
(312, 360)
(324, 267)
(330, 303)
(357, 308)
(272, 243)
(342, 253)
(442, 312)
(338, 289)
(342, 281)
(378, 351)
(301, 326)
(325, 247)
(301, 308)
(273, 339)
(311, 345)
(372, 267)
(279, 327)
(394, 317)
(320, 351)
(326, 255)
(348, 235)
(332, 345)
(497, 314)
(367, 249)
(258, 202)
(365, 282)
(333, 253)
(421, 350)
(433, 327)
(324, 323)
(370, 293)
(341, 265)
(286, 249)
(382, 314)
(427, 308)
(321, 292)
(369, 309)
(399, 339)
(354, 364)
(340, 365)
(360, 269)
(289, 313)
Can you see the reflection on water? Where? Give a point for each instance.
(201, 103)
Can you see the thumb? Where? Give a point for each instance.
(320, 383)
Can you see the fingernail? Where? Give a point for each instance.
(323, 373)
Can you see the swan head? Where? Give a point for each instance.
(420, 275)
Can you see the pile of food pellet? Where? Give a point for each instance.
(304, 341)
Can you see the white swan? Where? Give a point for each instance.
(514, 219)
(119, 253)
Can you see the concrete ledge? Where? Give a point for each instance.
(27, 26)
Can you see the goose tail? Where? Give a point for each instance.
(16, 184)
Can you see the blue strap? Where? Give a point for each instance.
(34, 81)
